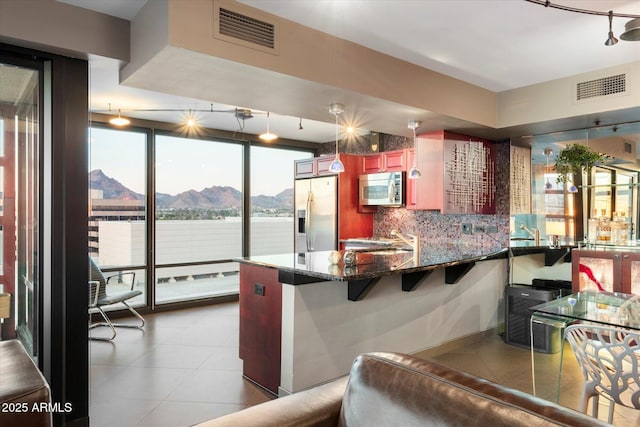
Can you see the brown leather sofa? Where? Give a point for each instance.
(391, 389)
(25, 398)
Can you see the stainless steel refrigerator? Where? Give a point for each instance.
(316, 210)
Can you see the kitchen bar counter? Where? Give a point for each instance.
(375, 263)
(300, 326)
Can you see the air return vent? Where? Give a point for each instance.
(246, 29)
(601, 87)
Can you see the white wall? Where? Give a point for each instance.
(323, 332)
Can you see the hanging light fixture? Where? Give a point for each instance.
(119, 121)
(336, 166)
(611, 40)
(548, 152)
(631, 31)
(632, 28)
(268, 136)
(414, 172)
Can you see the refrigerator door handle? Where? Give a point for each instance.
(308, 221)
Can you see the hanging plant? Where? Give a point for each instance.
(575, 159)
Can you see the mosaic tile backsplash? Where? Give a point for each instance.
(431, 226)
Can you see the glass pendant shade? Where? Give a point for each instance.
(336, 166)
(547, 152)
(414, 172)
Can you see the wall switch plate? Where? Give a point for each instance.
(491, 229)
(479, 228)
(466, 228)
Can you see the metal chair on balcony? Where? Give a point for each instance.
(609, 358)
(99, 297)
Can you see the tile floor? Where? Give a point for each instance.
(184, 369)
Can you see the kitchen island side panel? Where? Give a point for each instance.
(323, 332)
(260, 325)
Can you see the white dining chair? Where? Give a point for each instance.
(609, 358)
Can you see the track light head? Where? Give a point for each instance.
(611, 40)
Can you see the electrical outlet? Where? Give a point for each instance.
(491, 228)
(479, 228)
(466, 228)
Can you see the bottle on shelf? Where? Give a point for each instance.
(592, 227)
(619, 228)
(604, 228)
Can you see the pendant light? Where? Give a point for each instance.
(414, 173)
(548, 152)
(268, 136)
(336, 166)
(119, 121)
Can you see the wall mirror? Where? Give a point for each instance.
(571, 211)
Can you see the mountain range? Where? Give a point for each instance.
(215, 197)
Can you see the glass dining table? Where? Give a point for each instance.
(607, 308)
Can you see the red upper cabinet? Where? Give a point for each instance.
(387, 161)
(458, 174)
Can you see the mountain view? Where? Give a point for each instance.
(212, 198)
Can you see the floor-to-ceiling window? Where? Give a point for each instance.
(199, 214)
(117, 205)
(272, 199)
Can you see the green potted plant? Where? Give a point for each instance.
(575, 159)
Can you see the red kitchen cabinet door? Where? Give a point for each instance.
(260, 325)
(372, 163)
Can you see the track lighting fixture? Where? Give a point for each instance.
(611, 40)
(336, 166)
(632, 28)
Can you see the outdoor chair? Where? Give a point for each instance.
(608, 357)
(99, 297)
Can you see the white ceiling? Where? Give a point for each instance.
(496, 44)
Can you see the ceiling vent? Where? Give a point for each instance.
(240, 28)
(601, 87)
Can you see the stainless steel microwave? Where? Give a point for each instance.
(382, 189)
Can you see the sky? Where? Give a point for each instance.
(184, 164)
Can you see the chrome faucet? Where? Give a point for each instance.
(414, 243)
(535, 235)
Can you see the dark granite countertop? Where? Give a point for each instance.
(373, 264)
